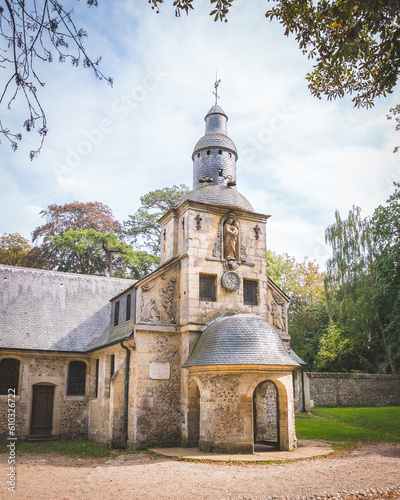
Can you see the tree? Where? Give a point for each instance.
(91, 252)
(32, 32)
(338, 351)
(142, 227)
(356, 306)
(75, 215)
(85, 238)
(14, 249)
(354, 44)
(308, 320)
(385, 232)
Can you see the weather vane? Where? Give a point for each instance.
(216, 84)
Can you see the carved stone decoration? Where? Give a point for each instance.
(217, 253)
(167, 293)
(243, 252)
(257, 231)
(229, 246)
(278, 311)
(149, 311)
(231, 239)
(198, 220)
(148, 286)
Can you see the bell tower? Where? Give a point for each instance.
(214, 156)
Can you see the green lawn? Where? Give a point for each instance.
(350, 424)
(72, 448)
(328, 424)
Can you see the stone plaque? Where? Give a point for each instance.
(159, 370)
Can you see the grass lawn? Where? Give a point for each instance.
(79, 448)
(350, 424)
(336, 425)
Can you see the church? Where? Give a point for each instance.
(195, 354)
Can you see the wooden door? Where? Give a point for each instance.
(42, 410)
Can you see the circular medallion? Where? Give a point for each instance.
(230, 280)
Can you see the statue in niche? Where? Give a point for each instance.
(231, 239)
(167, 293)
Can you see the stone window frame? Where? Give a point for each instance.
(68, 394)
(256, 292)
(19, 384)
(208, 277)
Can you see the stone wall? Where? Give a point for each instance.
(354, 389)
(109, 403)
(70, 413)
(226, 407)
(155, 401)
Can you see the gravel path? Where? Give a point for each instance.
(373, 470)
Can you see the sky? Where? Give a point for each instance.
(300, 158)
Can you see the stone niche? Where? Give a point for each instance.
(230, 408)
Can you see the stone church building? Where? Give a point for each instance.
(194, 354)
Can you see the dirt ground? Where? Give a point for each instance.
(370, 469)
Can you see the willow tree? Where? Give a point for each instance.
(356, 305)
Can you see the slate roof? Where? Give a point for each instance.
(215, 139)
(296, 357)
(49, 310)
(216, 110)
(243, 339)
(219, 195)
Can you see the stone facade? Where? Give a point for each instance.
(136, 338)
(226, 397)
(70, 415)
(353, 389)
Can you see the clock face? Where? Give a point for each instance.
(230, 280)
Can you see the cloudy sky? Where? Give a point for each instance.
(300, 159)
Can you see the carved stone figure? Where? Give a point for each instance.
(278, 311)
(150, 311)
(167, 293)
(231, 239)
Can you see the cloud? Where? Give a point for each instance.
(299, 158)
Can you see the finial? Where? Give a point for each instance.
(216, 84)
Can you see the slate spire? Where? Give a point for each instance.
(214, 156)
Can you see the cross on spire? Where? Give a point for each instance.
(216, 84)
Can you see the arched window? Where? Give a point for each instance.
(76, 378)
(9, 375)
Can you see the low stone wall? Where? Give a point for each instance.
(354, 389)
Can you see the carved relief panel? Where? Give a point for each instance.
(278, 307)
(158, 300)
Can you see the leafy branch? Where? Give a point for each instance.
(31, 32)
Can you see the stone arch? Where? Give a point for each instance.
(193, 415)
(276, 401)
(266, 414)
